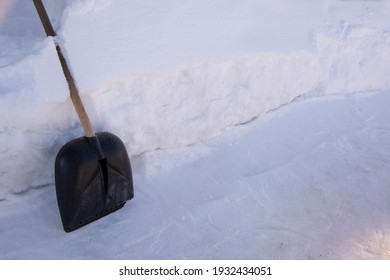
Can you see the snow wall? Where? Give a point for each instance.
(190, 94)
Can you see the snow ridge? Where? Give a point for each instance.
(178, 108)
(203, 99)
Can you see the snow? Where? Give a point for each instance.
(256, 129)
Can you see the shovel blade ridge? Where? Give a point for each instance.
(83, 195)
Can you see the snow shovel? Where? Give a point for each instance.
(93, 174)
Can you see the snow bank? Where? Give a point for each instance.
(201, 100)
(205, 89)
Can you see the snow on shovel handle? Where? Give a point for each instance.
(74, 93)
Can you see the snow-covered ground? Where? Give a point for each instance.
(256, 129)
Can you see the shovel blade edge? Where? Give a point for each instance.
(83, 195)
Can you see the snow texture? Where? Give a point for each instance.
(256, 129)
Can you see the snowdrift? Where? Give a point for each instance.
(174, 75)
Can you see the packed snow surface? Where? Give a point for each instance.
(256, 129)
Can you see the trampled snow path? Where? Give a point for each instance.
(310, 180)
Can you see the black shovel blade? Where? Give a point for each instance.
(89, 187)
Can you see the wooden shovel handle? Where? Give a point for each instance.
(74, 93)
